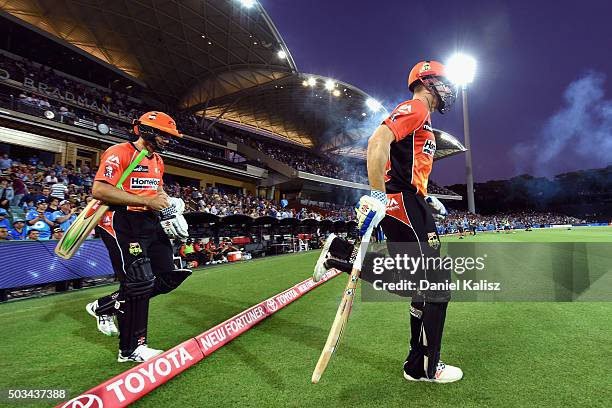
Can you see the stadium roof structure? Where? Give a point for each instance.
(223, 59)
(299, 108)
(169, 46)
(446, 146)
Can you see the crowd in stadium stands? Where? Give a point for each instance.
(38, 73)
(117, 102)
(309, 162)
(222, 204)
(51, 197)
(458, 220)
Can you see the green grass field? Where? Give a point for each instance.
(513, 354)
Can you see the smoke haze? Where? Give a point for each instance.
(581, 131)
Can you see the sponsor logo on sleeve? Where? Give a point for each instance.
(113, 159)
(401, 110)
(427, 126)
(429, 147)
(109, 171)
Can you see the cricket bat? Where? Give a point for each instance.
(89, 217)
(344, 310)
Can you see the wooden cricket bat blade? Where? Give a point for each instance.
(338, 326)
(80, 229)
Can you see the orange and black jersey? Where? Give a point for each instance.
(412, 152)
(145, 179)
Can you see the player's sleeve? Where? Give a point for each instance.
(112, 165)
(405, 119)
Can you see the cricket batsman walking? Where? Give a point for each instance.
(400, 157)
(139, 246)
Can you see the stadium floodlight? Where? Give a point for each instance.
(373, 104)
(461, 69)
(247, 3)
(311, 81)
(336, 92)
(330, 85)
(305, 82)
(281, 54)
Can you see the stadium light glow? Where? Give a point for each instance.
(311, 81)
(373, 104)
(247, 3)
(281, 54)
(305, 82)
(330, 85)
(461, 69)
(336, 92)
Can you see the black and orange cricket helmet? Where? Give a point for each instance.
(157, 120)
(432, 74)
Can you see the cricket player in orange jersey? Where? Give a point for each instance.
(400, 158)
(138, 245)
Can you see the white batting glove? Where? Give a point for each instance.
(370, 210)
(172, 220)
(437, 208)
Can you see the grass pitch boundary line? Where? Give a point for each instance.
(134, 383)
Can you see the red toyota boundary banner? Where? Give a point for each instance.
(138, 381)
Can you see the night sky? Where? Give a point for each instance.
(541, 102)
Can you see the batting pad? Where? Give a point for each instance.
(133, 384)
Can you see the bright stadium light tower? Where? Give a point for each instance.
(461, 69)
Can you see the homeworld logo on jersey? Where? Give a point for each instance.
(138, 183)
(429, 147)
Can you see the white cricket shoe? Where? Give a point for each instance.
(444, 374)
(141, 354)
(319, 269)
(106, 323)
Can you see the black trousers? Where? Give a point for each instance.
(411, 230)
(134, 235)
(139, 251)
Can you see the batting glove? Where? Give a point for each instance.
(370, 210)
(437, 208)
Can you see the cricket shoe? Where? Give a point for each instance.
(106, 323)
(320, 269)
(141, 354)
(444, 374)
